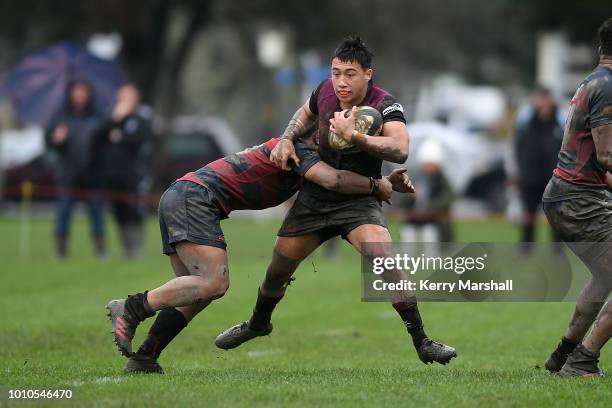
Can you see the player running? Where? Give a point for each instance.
(320, 214)
(189, 214)
(579, 208)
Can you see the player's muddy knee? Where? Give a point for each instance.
(217, 286)
(215, 281)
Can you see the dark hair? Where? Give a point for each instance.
(353, 49)
(89, 108)
(542, 90)
(605, 37)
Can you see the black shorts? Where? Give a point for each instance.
(330, 220)
(579, 213)
(190, 212)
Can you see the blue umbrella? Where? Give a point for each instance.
(37, 85)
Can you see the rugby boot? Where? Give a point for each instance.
(240, 333)
(555, 361)
(581, 363)
(141, 364)
(430, 351)
(558, 357)
(125, 316)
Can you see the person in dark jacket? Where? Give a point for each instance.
(122, 148)
(537, 143)
(70, 137)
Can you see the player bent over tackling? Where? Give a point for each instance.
(190, 212)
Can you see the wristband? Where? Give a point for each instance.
(374, 186)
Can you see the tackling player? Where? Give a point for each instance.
(579, 208)
(320, 214)
(190, 212)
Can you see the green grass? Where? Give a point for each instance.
(328, 348)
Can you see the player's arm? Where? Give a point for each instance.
(313, 169)
(609, 180)
(347, 182)
(392, 146)
(400, 181)
(602, 136)
(302, 119)
(600, 110)
(299, 122)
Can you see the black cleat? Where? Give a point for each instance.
(581, 363)
(555, 361)
(431, 351)
(124, 326)
(240, 333)
(139, 364)
(558, 357)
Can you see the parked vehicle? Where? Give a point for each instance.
(474, 164)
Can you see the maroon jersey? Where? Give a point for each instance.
(591, 107)
(323, 103)
(249, 180)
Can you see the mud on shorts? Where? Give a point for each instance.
(580, 214)
(190, 212)
(331, 219)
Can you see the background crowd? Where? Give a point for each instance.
(110, 110)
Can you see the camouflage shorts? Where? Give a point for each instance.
(190, 212)
(579, 213)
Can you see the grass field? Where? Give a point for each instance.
(328, 348)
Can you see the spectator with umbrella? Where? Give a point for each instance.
(70, 137)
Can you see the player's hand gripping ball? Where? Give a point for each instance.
(367, 121)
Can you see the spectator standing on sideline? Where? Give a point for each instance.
(70, 137)
(428, 210)
(538, 138)
(123, 148)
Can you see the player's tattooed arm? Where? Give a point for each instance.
(299, 122)
(282, 152)
(602, 136)
(347, 182)
(392, 146)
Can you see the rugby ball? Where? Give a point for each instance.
(368, 121)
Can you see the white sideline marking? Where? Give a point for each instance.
(106, 380)
(347, 331)
(264, 353)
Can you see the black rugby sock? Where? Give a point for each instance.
(166, 327)
(566, 346)
(138, 307)
(262, 313)
(412, 320)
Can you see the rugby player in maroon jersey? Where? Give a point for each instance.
(578, 205)
(320, 214)
(190, 212)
